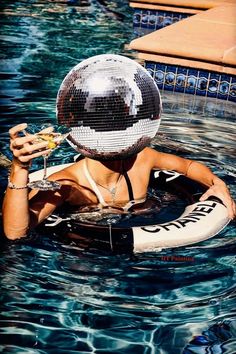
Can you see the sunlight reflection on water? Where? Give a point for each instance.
(58, 298)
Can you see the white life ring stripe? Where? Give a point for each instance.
(34, 176)
(199, 222)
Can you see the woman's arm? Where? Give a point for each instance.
(198, 172)
(16, 212)
(15, 204)
(217, 187)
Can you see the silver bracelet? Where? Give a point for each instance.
(13, 186)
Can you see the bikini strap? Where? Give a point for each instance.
(129, 186)
(132, 201)
(98, 193)
(93, 185)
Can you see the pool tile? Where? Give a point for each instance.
(193, 81)
(213, 85)
(155, 19)
(202, 83)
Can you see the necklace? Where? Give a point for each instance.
(112, 190)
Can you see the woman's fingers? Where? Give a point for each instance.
(234, 209)
(18, 142)
(29, 149)
(206, 195)
(27, 158)
(16, 129)
(47, 130)
(224, 196)
(231, 208)
(25, 148)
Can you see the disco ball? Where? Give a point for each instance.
(112, 105)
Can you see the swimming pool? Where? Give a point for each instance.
(58, 298)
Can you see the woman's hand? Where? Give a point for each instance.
(25, 148)
(220, 190)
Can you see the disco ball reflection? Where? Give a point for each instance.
(112, 105)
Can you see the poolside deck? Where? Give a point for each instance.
(204, 41)
(209, 38)
(195, 4)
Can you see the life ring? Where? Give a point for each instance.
(199, 221)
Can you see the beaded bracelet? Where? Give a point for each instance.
(13, 186)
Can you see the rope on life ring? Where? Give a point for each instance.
(199, 221)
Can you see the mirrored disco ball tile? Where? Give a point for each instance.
(109, 94)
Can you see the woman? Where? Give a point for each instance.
(88, 182)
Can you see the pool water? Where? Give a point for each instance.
(57, 297)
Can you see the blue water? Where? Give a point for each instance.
(55, 296)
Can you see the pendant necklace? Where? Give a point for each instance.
(112, 190)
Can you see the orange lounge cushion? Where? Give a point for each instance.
(208, 36)
(200, 4)
(153, 7)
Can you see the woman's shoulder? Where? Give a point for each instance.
(148, 154)
(68, 175)
(156, 159)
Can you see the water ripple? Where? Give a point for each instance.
(58, 298)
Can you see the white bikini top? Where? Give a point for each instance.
(99, 195)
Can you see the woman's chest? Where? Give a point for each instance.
(125, 189)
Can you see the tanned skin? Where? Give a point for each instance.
(24, 209)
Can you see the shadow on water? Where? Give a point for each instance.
(57, 297)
